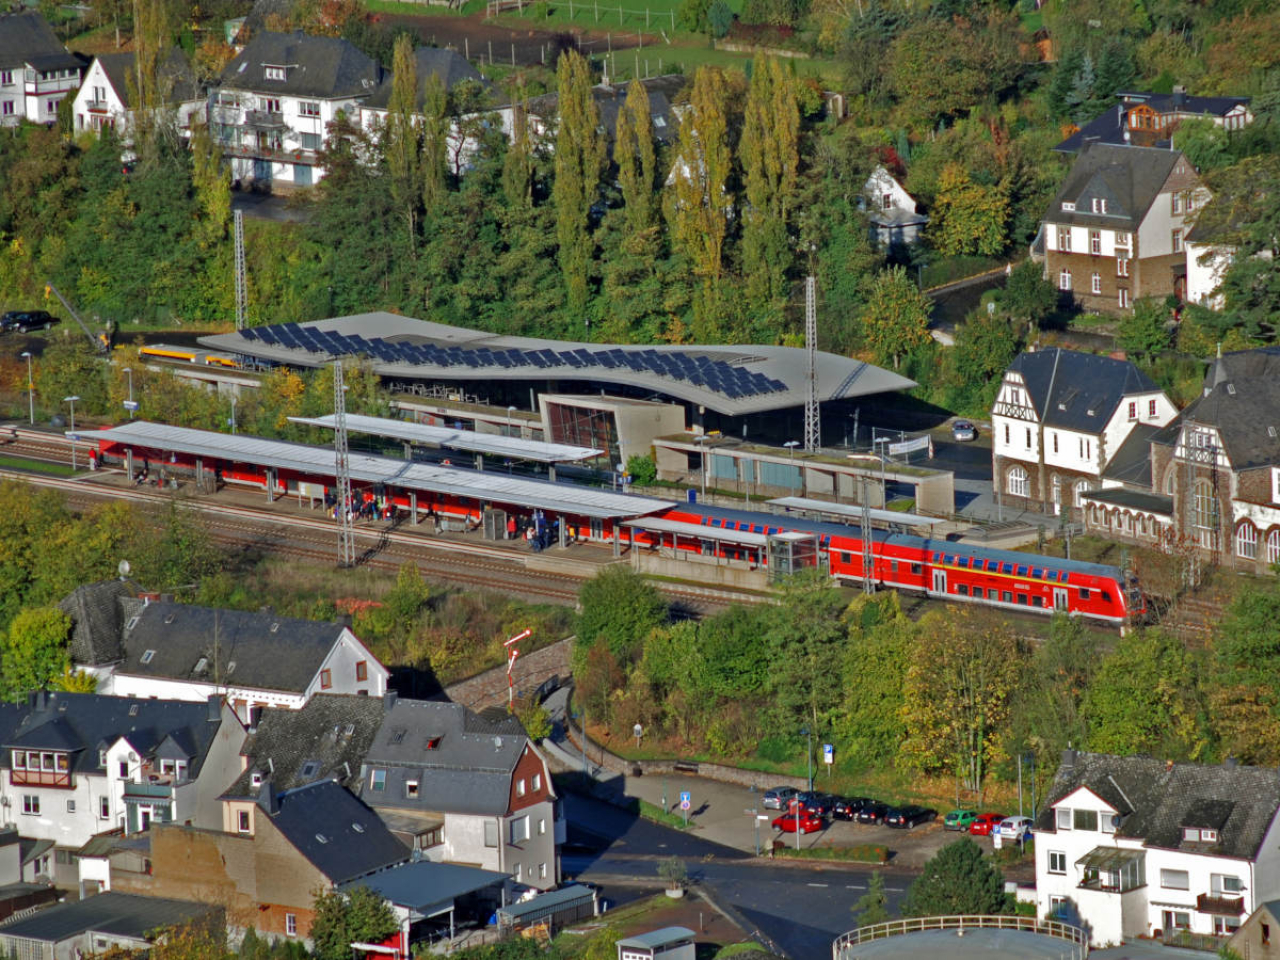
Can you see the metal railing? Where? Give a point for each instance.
(1192, 941)
(844, 947)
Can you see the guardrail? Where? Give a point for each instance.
(845, 945)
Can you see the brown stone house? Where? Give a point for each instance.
(1116, 230)
(1259, 935)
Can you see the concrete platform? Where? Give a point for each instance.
(969, 945)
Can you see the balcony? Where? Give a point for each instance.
(1220, 905)
(41, 778)
(262, 120)
(97, 106)
(161, 790)
(279, 154)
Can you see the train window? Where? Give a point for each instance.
(1037, 572)
(1084, 593)
(757, 529)
(1022, 599)
(824, 542)
(1052, 574)
(1006, 568)
(962, 590)
(1022, 571)
(962, 561)
(1006, 596)
(947, 558)
(977, 592)
(1106, 597)
(1037, 601)
(937, 558)
(845, 558)
(716, 522)
(893, 566)
(917, 568)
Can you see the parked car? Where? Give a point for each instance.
(777, 798)
(23, 320)
(1014, 828)
(959, 819)
(804, 820)
(817, 803)
(873, 813)
(963, 431)
(909, 817)
(847, 808)
(985, 823)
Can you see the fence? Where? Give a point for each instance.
(586, 11)
(843, 948)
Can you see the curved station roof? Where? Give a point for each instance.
(732, 380)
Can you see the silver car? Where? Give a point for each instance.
(778, 797)
(964, 430)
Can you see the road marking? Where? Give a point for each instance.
(894, 890)
(817, 884)
(855, 886)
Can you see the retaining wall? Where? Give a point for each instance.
(489, 689)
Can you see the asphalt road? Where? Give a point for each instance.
(798, 908)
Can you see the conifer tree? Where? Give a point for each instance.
(579, 157)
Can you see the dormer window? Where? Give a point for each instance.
(255, 780)
(202, 665)
(1099, 205)
(1208, 836)
(1068, 206)
(147, 655)
(273, 73)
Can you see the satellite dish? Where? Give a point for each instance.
(123, 567)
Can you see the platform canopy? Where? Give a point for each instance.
(853, 511)
(563, 499)
(469, 441)
(742, 538)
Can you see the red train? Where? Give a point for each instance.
(960, 572)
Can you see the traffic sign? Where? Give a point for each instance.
(686, 800)
(131, 404)
(828, 754)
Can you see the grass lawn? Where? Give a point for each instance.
(36, 466)
(416, 9)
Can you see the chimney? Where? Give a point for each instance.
(1179, 96)
(166, 598)
(214, 714)
(42, 701)
(255, 717)
(268, 799)
(1068, 758)
(346, 620)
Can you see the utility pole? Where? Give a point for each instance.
(342, 472)
(812, 414)
(242, 291)
(868, 561)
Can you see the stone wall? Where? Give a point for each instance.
(489, 689)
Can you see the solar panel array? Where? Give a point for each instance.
(717, 376)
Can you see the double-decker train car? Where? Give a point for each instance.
(208, 358)
(960, 572)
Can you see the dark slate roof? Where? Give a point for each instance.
(339, 835)
(423, 886)
(467, 771)
(1065, 385)
(609, 100)
(268, 652)
(179, 82)
(331, 733)
(1245, 411)
(1110, 127)
(121, 914)
(1135, 499)
(1131, 464)
(28, 38)
(321, 67)
(97, 620)
(450, 66)
(85, 722)
(1128, 178)
(1157, 799)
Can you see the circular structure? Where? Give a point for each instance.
(964, 938)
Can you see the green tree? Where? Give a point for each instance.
(619, 610)
(806, 635)
(34, 652)
(179, 553)
(870, 723)
(637, 163)
(435, 140)
(1246, 653)
(517, 163)
(1145, 333)
(341, 919)
(957, 880)
(895, 319)
(1027, 295)
(578, 159)
(967, 217)
(873, 906)
(401, 146)
(212, 182)
(642, 470)
(1248, 210)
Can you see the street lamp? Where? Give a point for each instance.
(72, 401)
(791, 455)
(129, 372)
(702, 455)
(510, 411)
(31, 390)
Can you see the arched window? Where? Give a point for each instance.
(1093, 513)
(1168, 484)
(1057, 489)
(1204, 515)
(1247, 541)
(1082, 486)
(1019, 486)
(1273, 546)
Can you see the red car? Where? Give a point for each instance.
(985, 823)
(807, 822)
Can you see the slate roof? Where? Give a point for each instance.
(468, 770)
(609, 100)
(339, 835)
(256, 650)
(1135, 499)
(27, 38)
(175, 72)
(1245, 410)
(327, 739)
(322, 67)
(1131, 464)
(450, 66)
(1110, 126)
(121, 914)
(1066, 385)
(97, 620)
(1157, 799)
(84, 723)
(424, 885)
(1128, 178)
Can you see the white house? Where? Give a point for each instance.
(892, 210)
(1135, 846)
(1060, 417)
(277, 98)
(176, 651)
(36, 71)
(103, 99)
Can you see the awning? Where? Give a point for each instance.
(1108, 859)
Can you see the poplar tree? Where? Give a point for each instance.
(579, 157)
(151, 33)
(402, 151)
(517, 165)
(435, 143)
(699, 202)
(770, 154)
(212, 182)
(634, 153)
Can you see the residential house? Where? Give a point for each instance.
(75, 764)
(466, 788)
(36, 70)
(544, 111)
(98, 613)
(1136, 846)
(669, 943)
(1150, 119)
(1214, 482)
(177, 651)
(276, 99)
(892, 211)
(103, 100)
(1255, 940)
(1215, 236)
(1059, 419)
(267, 872)
(1116, 230)
(93, 927)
